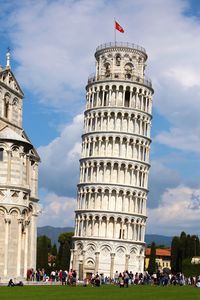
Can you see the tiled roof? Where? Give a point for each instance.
(159, 252)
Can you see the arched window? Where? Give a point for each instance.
(6, 105)
(107, 69)
(1, 154)
(127, 99)
(118, 59)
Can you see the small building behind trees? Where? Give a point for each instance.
(162, 259)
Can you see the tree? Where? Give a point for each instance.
(183, 243)
(182, 249)
(54, 251)
(194, 245)
(64, 253)
(187, 247)
(43, 250)
(197, 246)
(152, 259)
(176, 255)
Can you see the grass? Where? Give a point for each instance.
(103, 292)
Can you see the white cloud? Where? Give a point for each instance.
(57, 211)
(179, 210)
(183, 140)
(59, 169)
(53, 44)
(160, 178)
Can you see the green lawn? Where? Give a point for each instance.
(94, 293)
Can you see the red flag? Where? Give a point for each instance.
(118, 27)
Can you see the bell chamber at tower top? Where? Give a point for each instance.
(120, 61)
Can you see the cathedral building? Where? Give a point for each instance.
(18, 183)
(114, 167)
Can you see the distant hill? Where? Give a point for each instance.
(54, 232)
(158, 239)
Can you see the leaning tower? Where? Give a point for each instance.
(18, 183)
(114, 166)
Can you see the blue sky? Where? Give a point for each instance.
(52, 46)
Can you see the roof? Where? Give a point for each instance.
(159, 252)
(7, 133)
(12, 82)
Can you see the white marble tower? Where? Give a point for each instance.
(114, 166)
(18, 183)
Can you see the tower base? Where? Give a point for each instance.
(106, 257)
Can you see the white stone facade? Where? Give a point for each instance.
(18, 184)
(114, 166)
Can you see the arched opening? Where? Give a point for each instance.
(6, 108)
(107, 69)
(127, 99)
(118, 59)
(1, 154)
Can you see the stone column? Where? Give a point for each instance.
(71, 259)
(19, 247)
(136, 99)
(133, 152)
(128, 230)
(134, 231)
(98, 165)
(93, 220)
(27, 170)
(101, 122)
(127, 257)
(26, 249)
(112, 263)
(9, 167)
(7, 223)
(123, 197)
(116, 96)
(142, 232)
(83, 255)
(21, 167)
(97, 101)
(97, 262)
(107, 223)
(86, 176)
(114, 226)
(74, 262)
(86, 226)
(82, 223)
(92, 99)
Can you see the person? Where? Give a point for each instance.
(116, 278)
(97, 280)
(11, 283)
(64, 277)
(198, 284)
(20, 283)
(126, 279)
(70, 277)
(53, 275)
(121, 280)
(74, 274)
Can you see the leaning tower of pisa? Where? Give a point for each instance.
(114, 166)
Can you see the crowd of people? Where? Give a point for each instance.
(62, 276)
(158, 279)
(121, 279)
